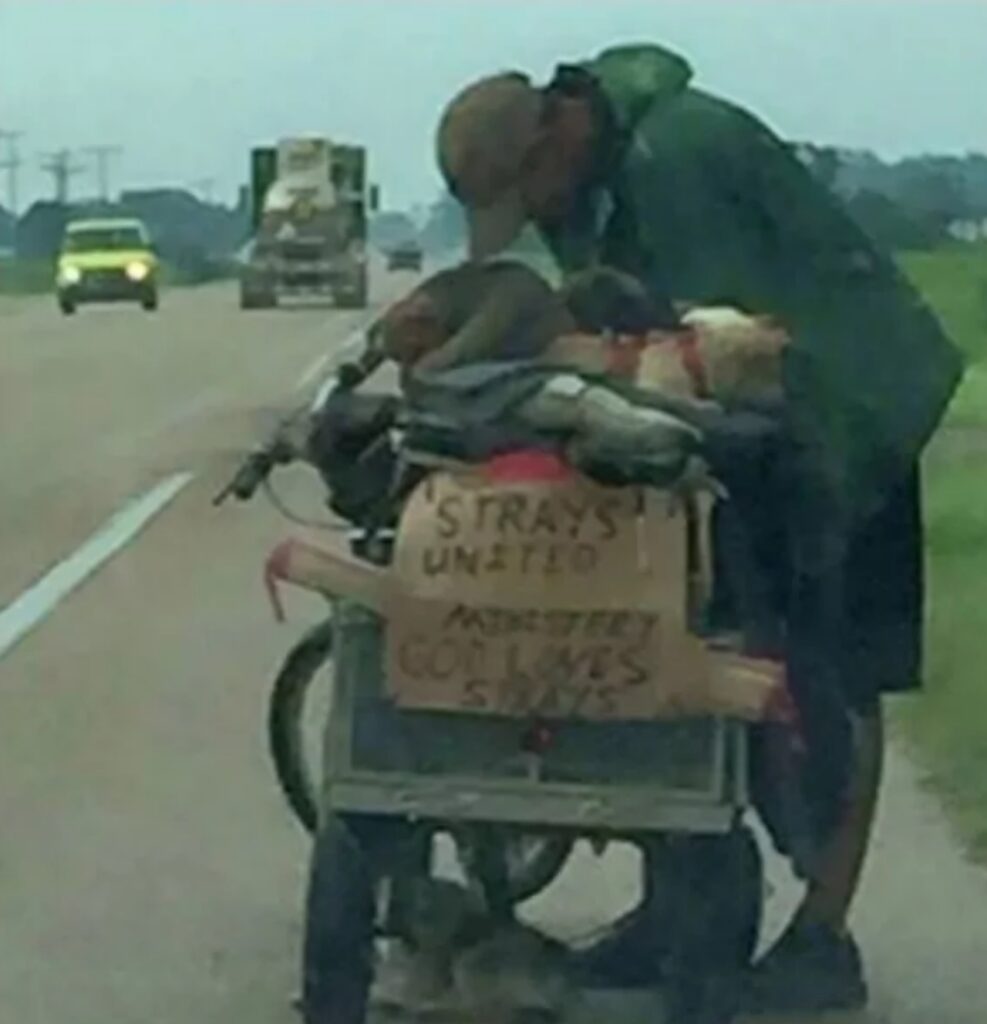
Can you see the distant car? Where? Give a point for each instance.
(107, 260)
(405, 256)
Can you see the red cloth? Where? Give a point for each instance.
(529, 464)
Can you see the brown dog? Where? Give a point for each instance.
(602, 323)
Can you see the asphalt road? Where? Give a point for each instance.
(148, 870)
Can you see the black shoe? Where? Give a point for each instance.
(811, 969)
(629, 955)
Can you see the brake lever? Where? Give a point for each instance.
(231, 488)
(222, 497)
(252, 472)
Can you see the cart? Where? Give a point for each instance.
(515, 791)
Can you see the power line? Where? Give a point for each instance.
(11, 163)
(103, 155)
(61, 168)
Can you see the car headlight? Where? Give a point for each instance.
(137, 271)
(69, 275)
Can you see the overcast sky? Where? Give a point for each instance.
(186, 86)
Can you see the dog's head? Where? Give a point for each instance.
(743, 353)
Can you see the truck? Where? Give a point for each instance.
(309, 200)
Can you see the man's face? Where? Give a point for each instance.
(557, 167)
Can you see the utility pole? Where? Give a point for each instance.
(11, 163)
(103, 155)
(59, 165)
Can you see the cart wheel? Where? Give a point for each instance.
(716, 903)
(531, 861)
(337, 967)
(534, 862)
(285, 722)
(522, 863)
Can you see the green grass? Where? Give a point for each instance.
(22, 277)
(947, 723)
(954, 279)
(969, 407)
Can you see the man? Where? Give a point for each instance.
(621, 161)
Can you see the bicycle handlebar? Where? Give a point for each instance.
(254, 470)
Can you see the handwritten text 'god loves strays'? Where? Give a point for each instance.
(580, 663)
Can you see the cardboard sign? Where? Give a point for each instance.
(560, 599)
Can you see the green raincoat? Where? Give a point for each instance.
(708, 205)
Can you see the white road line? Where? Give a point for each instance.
(328, 363)
(335, 355)
(313, 370)
(39, 600)
(322, 395)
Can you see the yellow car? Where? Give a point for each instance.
(106, 261)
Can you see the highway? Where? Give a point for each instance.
(149, 872)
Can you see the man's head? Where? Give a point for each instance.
(512, 152)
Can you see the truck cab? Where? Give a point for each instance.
(309, 212)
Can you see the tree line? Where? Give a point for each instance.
(915, 203)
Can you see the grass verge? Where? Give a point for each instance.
(954, 279)
(23, 277)
(946, 725)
